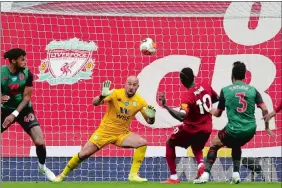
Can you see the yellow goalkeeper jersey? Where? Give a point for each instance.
(121, 110)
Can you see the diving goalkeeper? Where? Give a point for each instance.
(122, 105)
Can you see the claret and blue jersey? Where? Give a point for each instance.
(240, 100)
(13, 85)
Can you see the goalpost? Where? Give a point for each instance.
(100, 40)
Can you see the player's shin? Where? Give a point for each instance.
(138, 158)
(72, 164)
(211, 157)
(198, 153)
(236, 157)
(170, 158)
(41, 153)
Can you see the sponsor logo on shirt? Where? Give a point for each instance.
(134, 103)
(123, 114)
(14, 89)
(14, 78)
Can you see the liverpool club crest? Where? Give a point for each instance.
(67, 62)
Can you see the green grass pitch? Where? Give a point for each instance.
(133, 185)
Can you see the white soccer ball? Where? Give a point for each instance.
(148, 46)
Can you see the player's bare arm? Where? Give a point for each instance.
(179, 115)
(26, 98)
(260, 104)
(98, 100)
(267, 117)
(216, 112)
(264, 111)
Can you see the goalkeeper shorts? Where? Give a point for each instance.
(102, 138)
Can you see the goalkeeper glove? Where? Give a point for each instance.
(106, 88)
(150, 112)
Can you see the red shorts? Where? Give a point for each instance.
(184, 139)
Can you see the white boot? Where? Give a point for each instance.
(236, 178)
(203, 179)
(47, 172)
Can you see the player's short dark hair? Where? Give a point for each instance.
(14, 53)
(187, 76)
(239, 70)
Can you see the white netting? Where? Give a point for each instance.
(207, 36)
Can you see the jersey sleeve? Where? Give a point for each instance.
(279, 107)
(110, 97)
(29, 80)
(143, 107)
(258, 99)
(221, 104)
(214, 96)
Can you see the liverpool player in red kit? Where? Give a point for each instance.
(197, 122)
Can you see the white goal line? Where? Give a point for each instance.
(158, 151)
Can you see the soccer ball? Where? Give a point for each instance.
(148, 46)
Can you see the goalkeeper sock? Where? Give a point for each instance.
(198, 156)
(236, 157)
(211, 157)
(41, 153)
(170, 158)
(138, 158)
(72, 164)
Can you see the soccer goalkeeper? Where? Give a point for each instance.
(122, 105)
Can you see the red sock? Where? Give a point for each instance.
(170, 158)
(198, 155)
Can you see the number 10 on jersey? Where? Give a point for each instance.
(203, 104)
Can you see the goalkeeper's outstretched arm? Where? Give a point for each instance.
(98, 100)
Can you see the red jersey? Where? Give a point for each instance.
(197, 103)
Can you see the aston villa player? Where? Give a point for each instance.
(16, 89)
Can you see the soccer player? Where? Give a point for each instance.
(16, 89)
(267, 117)
(122, 106)
(197, 122)
(239, 99)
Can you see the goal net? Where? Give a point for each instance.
(100, 40)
